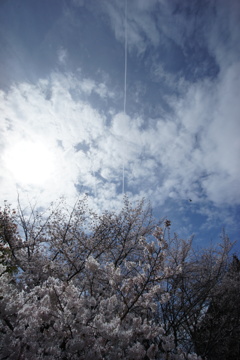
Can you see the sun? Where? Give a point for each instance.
(29, 162)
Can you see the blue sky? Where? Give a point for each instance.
(63, 126)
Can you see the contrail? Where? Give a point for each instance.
(125, 84)
(125, 64)
(123, 190)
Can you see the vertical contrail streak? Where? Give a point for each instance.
(125, 63)
(125, 83)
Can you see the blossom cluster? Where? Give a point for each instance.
(85, 286)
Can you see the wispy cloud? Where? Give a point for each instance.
(62, 55)
(179, 138)
(194, 151)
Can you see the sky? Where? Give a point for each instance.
(134, 97)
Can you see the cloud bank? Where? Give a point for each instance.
(179, 137)
(192, 153)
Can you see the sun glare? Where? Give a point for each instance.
(29, 162)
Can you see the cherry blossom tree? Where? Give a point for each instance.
(79, 285)
(202, 279)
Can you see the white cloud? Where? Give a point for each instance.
(34, 118)
(62, 55)
(141, 29)
(192, 153)
(224, 37)
(89, 86)
(209, 139)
